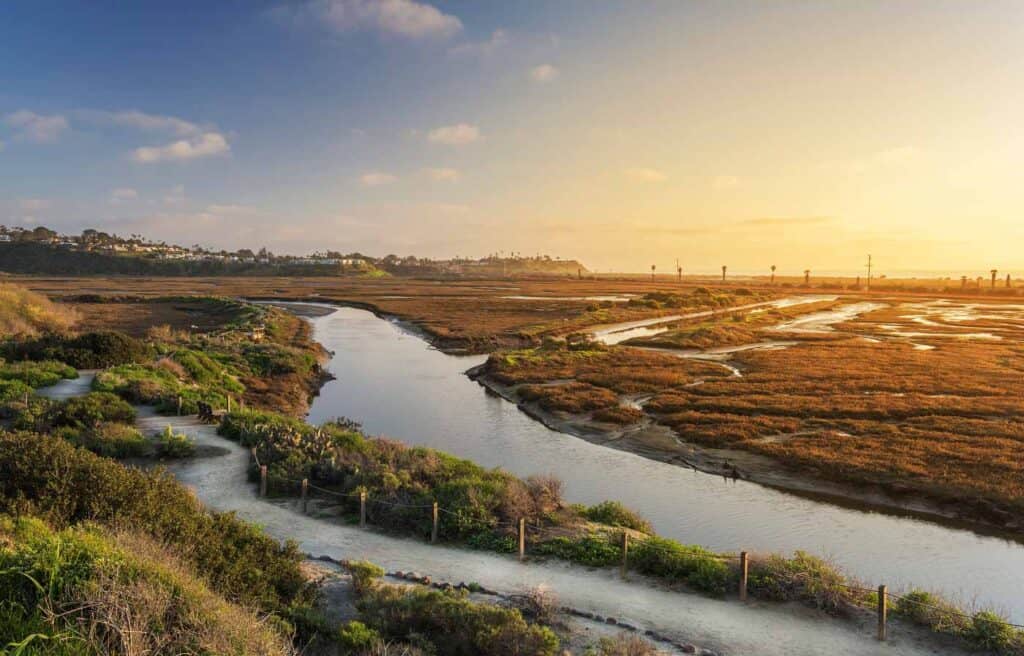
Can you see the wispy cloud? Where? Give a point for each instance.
(645, 175)
(499, 39)
(543, 73)
(122, 195)
(376, 178)
(454, 135)
(443, 174)
(133, 118)
(207, 144)
(404, 18)
(29, 126)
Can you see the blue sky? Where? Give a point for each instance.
(617, 132)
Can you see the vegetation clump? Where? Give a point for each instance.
(445, 623)
(45, 476)
(37, 374)
(88, 589)
(174, 445)
(95, 350)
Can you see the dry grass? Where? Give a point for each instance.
(27, 313)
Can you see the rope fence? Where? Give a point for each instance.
(877, 599)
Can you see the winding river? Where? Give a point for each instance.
(395, 384)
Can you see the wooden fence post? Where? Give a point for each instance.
(744, 563)
(522, 539)
(362, 510)
(625, 554)
(433, 531)
(883, 608)
(229, 404)
(263, 480)
(253, 452)
(179, 405)
(305, 495)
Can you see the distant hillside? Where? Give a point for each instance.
(46, 259)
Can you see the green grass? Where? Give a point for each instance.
(37, 374)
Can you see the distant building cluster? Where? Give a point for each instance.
(99, 242)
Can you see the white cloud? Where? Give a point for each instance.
(543, 73)
(454, 135)
(725, 182)
(34, 204)
(122, 195)
(405, 18)
(443, 174)
(376, 178)
(176, 196)
(498, 40)
(36, 127)
(206, 144)
(646, 175)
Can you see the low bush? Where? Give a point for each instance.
(931, 610)
(614, 513)
(37, 374)
(802, 577)
(174, 445)
(108, 439)
(697, 567)
(989, 631)
(96, 350)
(590, 550)
(46, 476)
(451, 625)
(90, 410)
(95, 590)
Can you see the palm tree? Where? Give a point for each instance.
(652, 272)
(994, 272)
(1008, 284)
(723, 272)
(807, 276)
(963, 282)
(773, 274)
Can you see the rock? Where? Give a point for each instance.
(611, 620)
(688, 649)
(399, 574)
(425, 580)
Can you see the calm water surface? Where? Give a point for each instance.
(396, 385)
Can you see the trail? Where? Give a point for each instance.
(728, 627)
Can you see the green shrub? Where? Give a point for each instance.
(614, 513)
(37, 374)
(89, 410)
(591, 550)
(364, 573)
(13, 390)
(493, 541)
(45, 475)
(91, 589)
(96, 350)
(108, 439)
(174, 445)
(931, 610)
(356, 636)
(803, 577)
(990, 631)
(451, 624)
(695, 566)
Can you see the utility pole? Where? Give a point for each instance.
(652, 272)
(869, 271)
(679, 271)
